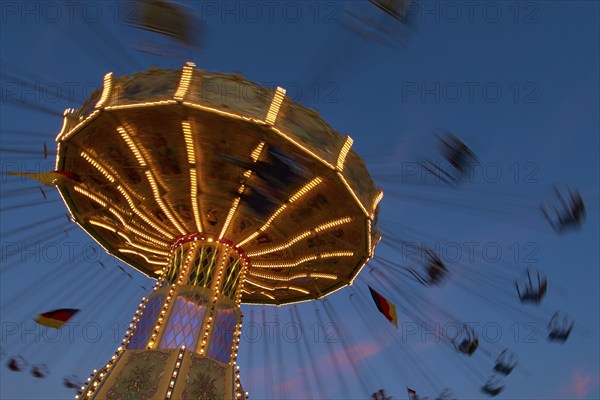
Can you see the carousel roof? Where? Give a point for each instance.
(165, 153)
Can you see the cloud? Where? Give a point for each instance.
(290, 386)
(299, 380)
(581, 384)
(359, 352)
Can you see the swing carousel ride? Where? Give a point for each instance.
(255, 202)
(229, 196)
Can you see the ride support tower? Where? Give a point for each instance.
(189, 325)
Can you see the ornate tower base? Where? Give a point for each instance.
(168, 374)
(183, 340)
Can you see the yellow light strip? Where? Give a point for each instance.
(184, 82)
(144, 159)
(64, 136)
(162, 205)
(234, 348)
(270, 288)
(65, 119)
(333, 224)
(142, 214)
(102, 225)
(256, 152)
(194, 198)
(191, 152)
(303, 260)
(332, 292)
(141, 105)
(189, 141)
(260, 285)
(108, 251)
(377, 240)
(261, 274)
(337, 254)
(272, 217)
(302, 147)
(209, 109)
(104, 202)
(175, 373)
(254, 155)
(211, 312)
(90, 196)
(249, 238)
(364, 210)
(141, 247)
(106, 89)
(266, 295)
(134, 321)
(227, 114)
(57, 162)
(343, 153)
(71, 215)
(303, 191)
(323, 276)
(286, 303)
(132, 146)
(131, 242)
(143, 256)
(109, 170)
(135, 230)
(265, 275)
(360, 269)
(281, 246)
(293, 288)
(242, 278)
(99, 167)
(322, 227)
(369, 245)
(236, 202)
(376, 201)
(275, 105)
(223, 113)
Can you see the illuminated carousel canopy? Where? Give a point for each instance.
(165, 156)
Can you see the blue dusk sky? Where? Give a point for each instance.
(518, 81)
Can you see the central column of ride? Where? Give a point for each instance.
(184, 338)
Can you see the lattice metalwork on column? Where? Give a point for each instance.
(185, 321)
(147, 321)
(204, 264)
(199, 302)
(232, 277)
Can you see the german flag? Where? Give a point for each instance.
(56, 318)
(385, 307)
